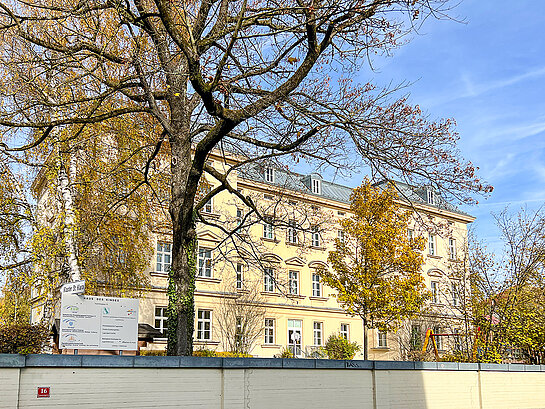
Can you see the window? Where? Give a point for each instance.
(318, 333)
(268, 280)
(316, 186)
(410, 234)
(269, 174)
(340, 213)
(316, 285)
(207, 208)
(294, 282)
(240, 216)
(416, 337)
(295, 337)
(164, 252)
(345, 331)
(455, 294)
(457, 340)
(268, 229)
(431, 196)
(239, 333)
(434, 285)
(269, 330)
(431, 244)
(292, 232)
(452, 248)
(438, 340)
(240, 277)
(382, 339)
(205, 262)
(340, 235)
(161, 319)
(204, 325)
(315, 236)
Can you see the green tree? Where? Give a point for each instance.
(376, 269)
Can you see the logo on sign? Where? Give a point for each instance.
(44, 391)
(106, 310)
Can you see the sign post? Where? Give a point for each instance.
(77, 287)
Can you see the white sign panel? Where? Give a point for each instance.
(89, 322)
(77, 287)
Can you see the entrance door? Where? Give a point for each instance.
(295, 337)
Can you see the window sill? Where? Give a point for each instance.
(270, 346)
(434, 256)
(289, 243)
(210, 215)
(160, 340)
(317, 248)
(208, 279)
(381, 348)
(205, 342)
(298, 296)
(270, 240)
(318, 298)
(158, 274)
(272, 294)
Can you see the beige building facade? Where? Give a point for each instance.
(271, 262)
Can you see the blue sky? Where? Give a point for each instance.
(489, 74)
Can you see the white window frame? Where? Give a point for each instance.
(315, 236)
(269, 174)
(345, 331)
(410, 234)
(431, 196)
(318, 333)
(204, 262)
(316, 186)
(240, 216)
(431, 244)
(270, 324)
(268, 280)
(438, 340)
(239, 270)
(341, 236)
(268, 229)
(208, 207)
(204, 334)
(293, 276)
(164, 253)
(162, 318)
(455, 288)
(452, 248)
(434, 287)
(382, 339)
(316, 285)
(292, 236)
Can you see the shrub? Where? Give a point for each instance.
(23, 338)
(337, 347)
(156, 352)
(204, 352)
(286, 353)
(228, 354)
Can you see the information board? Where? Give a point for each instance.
(90, 322)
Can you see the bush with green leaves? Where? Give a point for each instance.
(338, 347)
(23, 338)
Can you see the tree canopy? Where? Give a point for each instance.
(376, 268)
(263, 80)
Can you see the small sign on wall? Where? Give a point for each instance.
(44, 391)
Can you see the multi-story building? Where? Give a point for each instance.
(261, 284)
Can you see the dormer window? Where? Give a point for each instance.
(431, 196)
(269, 174)
(316, 186)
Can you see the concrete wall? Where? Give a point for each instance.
(229, 383)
